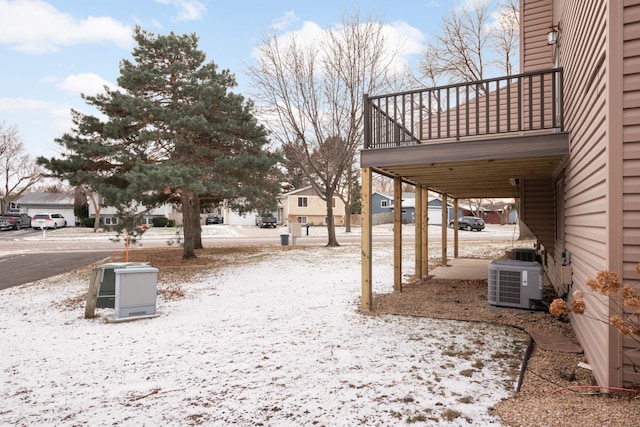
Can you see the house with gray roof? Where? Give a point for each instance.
(33, 203)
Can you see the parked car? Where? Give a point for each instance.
(469, 223)
(266, 220)
(48, 220)
(14, 220)
(214, 219)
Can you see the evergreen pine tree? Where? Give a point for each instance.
(175, 132)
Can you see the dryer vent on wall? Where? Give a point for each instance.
(515, 283)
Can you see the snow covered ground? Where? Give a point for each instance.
(273, 341)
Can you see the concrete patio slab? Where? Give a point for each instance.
(463, 269)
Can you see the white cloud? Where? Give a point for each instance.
(33, 26)
(408, 40)
(188, 10)
(286, 21)
(401, 37)
(85, 83)
(23, 104)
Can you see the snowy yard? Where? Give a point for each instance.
(265, 341)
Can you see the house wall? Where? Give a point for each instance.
(535, 53)
(592, 176)
(315, 211)
(376, 203)
(165, 210)
(537, 207)
(630, 136)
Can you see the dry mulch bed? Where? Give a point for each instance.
(549, 394)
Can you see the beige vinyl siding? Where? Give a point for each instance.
(537, 211)
(582, 48)
(535, 52)
(501, 106)
(631, 171)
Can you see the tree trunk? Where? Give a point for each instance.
(188, 248)
(331, 226)
(96, 207)
(197, 236)
(347, 218)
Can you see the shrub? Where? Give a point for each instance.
(89, 222)
(160, 221)
(625, 299)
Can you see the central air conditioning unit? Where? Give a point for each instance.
(515, 283)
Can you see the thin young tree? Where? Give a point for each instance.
(313, 94)
(18, 172)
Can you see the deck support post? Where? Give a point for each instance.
(366, 302)
(445, 223)
(418, 231)
(397, 234)
(455, 229)
(425, 232)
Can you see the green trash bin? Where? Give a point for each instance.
(284, 239)
(107, 282)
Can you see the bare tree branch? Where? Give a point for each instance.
(313, 95)
(18, 171)
(474, 42)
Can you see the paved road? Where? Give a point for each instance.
(19, 269)
(27, 255)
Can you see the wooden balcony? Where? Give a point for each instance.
(469, 140)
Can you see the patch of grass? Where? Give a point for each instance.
(501, 355)
(419, 418)
(451, 414)
(407, 399)
(466, 399)
(467, 372)
(172, 292)
(478, 364)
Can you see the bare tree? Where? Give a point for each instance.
(473, 42)
(18, 171)
(313, 92)
(475, 206)
(507, 34)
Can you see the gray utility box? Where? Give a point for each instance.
(136, 291)
(107, 281)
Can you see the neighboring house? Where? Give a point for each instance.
(108, 214)
(382, 205)
(563, 137)
(307, 207)
(61, 203)
(499, 213)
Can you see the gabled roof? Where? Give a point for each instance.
(389, 194)
(411, 202)
(307, 191)
(47, 199)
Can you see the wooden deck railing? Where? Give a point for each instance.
(504, 105)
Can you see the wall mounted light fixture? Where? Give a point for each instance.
(552, 36)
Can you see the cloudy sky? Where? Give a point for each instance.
(52, 51)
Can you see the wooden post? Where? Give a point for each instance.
(425, 232)
(455, 229)
(397, 234)
(366, 249)
(92, 295)
(418, 231)
(444, 229)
